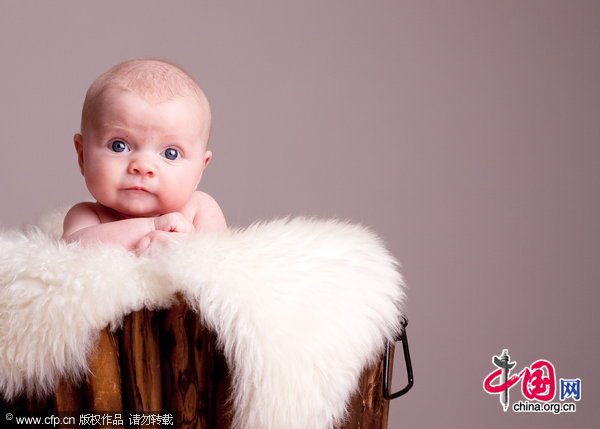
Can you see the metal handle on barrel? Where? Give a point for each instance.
(386, 365)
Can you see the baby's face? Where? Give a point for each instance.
(143, 159)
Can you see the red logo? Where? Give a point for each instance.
(537, 384)
(538, 380)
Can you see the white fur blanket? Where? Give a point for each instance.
(300, 307)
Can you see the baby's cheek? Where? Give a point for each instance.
(100, 182)
(96, 184)
(176, 199)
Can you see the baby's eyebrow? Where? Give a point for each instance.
(173, 138)
(113, 125)
(109, 126)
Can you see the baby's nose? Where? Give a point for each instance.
(142, 166)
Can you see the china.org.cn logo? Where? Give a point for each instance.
(538, 384)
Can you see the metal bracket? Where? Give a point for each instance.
(386, 365)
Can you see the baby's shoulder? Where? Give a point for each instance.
(80, 216)
(201, 199)
(206, 212)
(93, 212)
(83, 209)
(201, 202)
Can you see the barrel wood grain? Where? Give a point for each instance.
(140, 362)
(367, 408)
(104, 381)
(167, 362)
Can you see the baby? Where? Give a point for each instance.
(142, 150)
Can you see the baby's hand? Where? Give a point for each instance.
(158, 239)
(168, 228)
(173, 222)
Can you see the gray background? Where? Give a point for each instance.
(466, 133)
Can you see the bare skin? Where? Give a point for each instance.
(142, 162)
(92, 222)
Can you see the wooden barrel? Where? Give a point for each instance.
(165, 363)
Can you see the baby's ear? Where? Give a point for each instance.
(205, 162)
(78, 140)
(207, 157)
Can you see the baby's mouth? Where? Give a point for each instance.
(137, 188)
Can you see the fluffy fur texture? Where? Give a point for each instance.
(299, 306)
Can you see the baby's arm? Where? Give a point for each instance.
(208, 215)
(83, 224)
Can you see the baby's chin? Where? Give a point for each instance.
(128, 213)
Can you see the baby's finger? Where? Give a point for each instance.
(181, 224)
(187, 227)
(142, 245)
(173, 222)
(179, 235)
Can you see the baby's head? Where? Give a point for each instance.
(143, 142)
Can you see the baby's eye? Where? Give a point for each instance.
(119, 146)
(171, 154)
